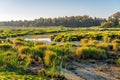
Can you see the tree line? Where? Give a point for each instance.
(72, 21)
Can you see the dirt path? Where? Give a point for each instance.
(71, 75)
(86, 72)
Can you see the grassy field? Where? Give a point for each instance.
(38, 60)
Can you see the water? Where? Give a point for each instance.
(38, 39)
(33, 39)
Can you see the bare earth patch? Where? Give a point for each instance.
(92, 71)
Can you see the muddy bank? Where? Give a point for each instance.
(91, 71)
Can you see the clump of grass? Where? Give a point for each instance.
(37, 53)
(0, 41)
(10, 58)
(24, 50)
(15, 76)
(118, 61)
(49, 57)
(106, 38)
(91, 53)
(53, 43)
(91, 43)
(116, 46)
(84, 41)
(17, 42)
(116, 41)
(39, 43)
(102, 45)
(5, 47)
(8, 61)
(8, 41)
(110, 46)
(39, 50)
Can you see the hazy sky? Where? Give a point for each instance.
(31, 9)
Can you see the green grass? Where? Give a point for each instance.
(15, 76)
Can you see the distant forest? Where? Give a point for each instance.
(72, 21)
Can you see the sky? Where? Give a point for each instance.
(34, 9)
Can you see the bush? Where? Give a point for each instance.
(91, 53)
(107, 24)
(49, 57)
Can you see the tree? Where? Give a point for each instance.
(107, 24)
(116, 15)
(72, 21)
(116, 18)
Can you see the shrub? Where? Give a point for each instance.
(107, 24)
(91, 52)
(49, 57)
